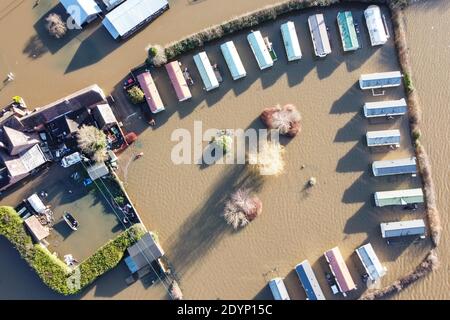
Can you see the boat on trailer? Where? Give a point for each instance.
(71, 221)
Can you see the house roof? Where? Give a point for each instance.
(145, 251)
(18, 141)
(104, 115)
(25, 162)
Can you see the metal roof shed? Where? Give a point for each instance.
(36, 203)
(278, 289)
(206, 71)
(403, 228)
(37, 230)
(82, 11)
(347, 30)
(319, 35)
(389, 108)
(383, 138)
(370, 261)
(151, 92)
(309, 281)
(233, 60)
(394, 167)
(380, 80)
(375, 25)
(104, 115)
(260, 50)
(131, 15)
(143, 252)
(398, 197)
(340, 270)
(97, 170)
(178, 81)
(290, 39)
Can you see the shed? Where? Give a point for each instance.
(394, 167)
(340, 270)
(403, 228)
(178, 81)
(380, 80)
(388, 108)
(131, 15)
(319, 35)
(36, 203)
(309, 281)
(278, 289)
(151, 92)
(398, 197)
(290, 40)
(97, 170)
(104, 115)
(233, 60)
(260, 50)
(37, 230)
(82, 11)
(383, 138)
(206, 71)
(376, 26)
(370, 261)
(143, 253)
(347, 31)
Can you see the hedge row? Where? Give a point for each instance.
(54, 272)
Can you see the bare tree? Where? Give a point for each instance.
(55, 25)
(242, 208)
(92, 142)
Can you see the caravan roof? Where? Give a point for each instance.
(150, 91)
(380, 80)
(403, 228)
(383, 138)
(398, 197)
(260, 50)
(347, 30)
(319, 35)
(206, 71)
(81, 11)
(178, 81)
(233, 60)
(385, 108)
(375, 25)
(278, 289)
(370, 261)
(393, 167)
(309, 281)
(290, 40)
(340, 270)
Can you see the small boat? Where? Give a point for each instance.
(71, 221)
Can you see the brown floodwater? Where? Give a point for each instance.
(183, 203)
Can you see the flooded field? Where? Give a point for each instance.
(184, 203)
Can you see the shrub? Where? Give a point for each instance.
(55, 25)
(285, 119)
(136, 95)
(408, 82)
(92, 142)
(242, 208)
(223, 141)
(156, 55)
(119, 200)
(268, 160)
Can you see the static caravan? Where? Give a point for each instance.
(319, 35)
(309, 281)
(233, 60)
(394, 167)
(290, 40)
(150, 91)
(371, 263)
(260, 50)
(391, 108)
(178, 81)
(278, 289)
(398, 197)
(383, 138)
(380, 80)
(340, 271)
(206, 71)
(347, 30)
(403, 228)
(111, 4)
(82, 11)
(376, 26)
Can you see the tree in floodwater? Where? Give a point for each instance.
(55, 25)
(242, 208)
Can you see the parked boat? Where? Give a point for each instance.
(71, 221)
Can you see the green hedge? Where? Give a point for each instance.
(53, 272)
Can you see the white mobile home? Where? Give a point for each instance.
(233, 60)
(394, 167)
(380, 80)
(278, 289)
(371, 263)
(260, 50)
(389, 108)
(383, 138)
(81, 11)
(319, 35)
(347, 30)
(376, 26)
(309, 281)
(290, 40)
(403, 228)
(398, 197)
(206, 71)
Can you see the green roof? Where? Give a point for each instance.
(347, 30)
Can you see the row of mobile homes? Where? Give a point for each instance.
(309, 281)
(319, 35)
(178, 81)
(81, 11)
(347, 30)
(380, 80)
(403, 228)
(206, 71)
(131, 15)
(151, 92)
(375, 270)
(340, 270)
(389, 108)
(278, 289)
(376, 26)
(233, 60)
(290, 40)
(394, 167)
(399, 197)
(259, 49)
(383, 138)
